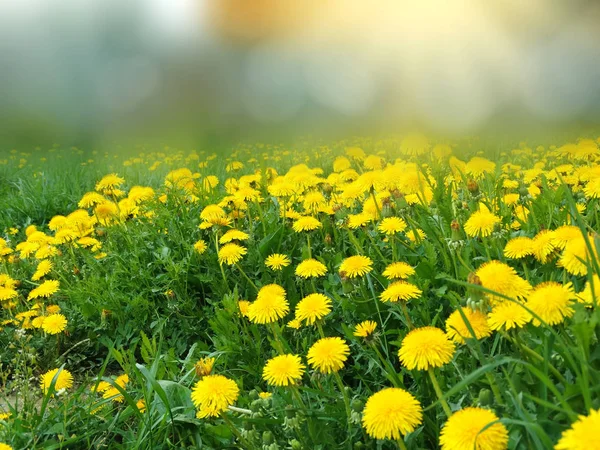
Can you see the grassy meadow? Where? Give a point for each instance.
(359, 294)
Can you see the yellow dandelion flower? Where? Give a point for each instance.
(277, 261)
(398, 270)
(328, 354)
(502, 279)
(424, 348)
(212, 212)
(54, 323)
(43, 269)
(576, 255)
(457, 329)
(543, 245)
(38, 322)
(295, 324)
(356, 266)
(508, 315)
(213, 394)
(341, 163)
(52, 309)
(518, 247)
(7, 293)
(313, 307)
(391, 413)
(481, 223)
(474, 428)
(392, 225)
(510, 199)
(400, 290)
(46, 289)
(109, 181)
(268, 307)
(204, 366)
(565, 234)
(365, 328)
(243, 306)
(233, 235)
(310, 268)
(584, 433)
(141, 405)
(306, 223)
(231, 253)
(416, 235)
(64, 380)
(358, 220)
(265, 395)
(479, 166)
(283, 370)
(588, 296)
(552, 302)
(592, 188)
(200, 246)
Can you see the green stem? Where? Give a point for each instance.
(340, 384)
(262, 216)
(438, 391)
(406, 316)
(237, 433)
(517, 341)
(401, 444)
(375, 201)
(320, 328)
(246, 277)
(279, 345)
(388, 367)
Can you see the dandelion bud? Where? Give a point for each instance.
(455, 226)
(472, 186)
(474, 279)
(295, 444)
(204, 366)
(485, 397)
(289, 412)
(357, 405)
(328, 239)
(267, 438)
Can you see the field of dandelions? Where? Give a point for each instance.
(361, 294)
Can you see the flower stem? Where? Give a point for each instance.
(438, 391)
(279, 345)
(401, 444)
(237, 433)
(406, 316)
(245, 276)
(376, 204)
(387, 367)
(340, 383)
(320, 328)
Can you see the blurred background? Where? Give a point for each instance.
(93, 72)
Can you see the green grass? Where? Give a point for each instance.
(153, 306)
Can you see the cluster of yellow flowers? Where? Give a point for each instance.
(368, 205)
